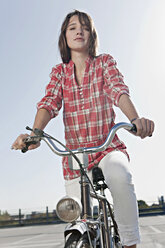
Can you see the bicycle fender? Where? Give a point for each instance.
(80, 227)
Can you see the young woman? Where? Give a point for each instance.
(88, 86)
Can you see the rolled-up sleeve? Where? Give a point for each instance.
(114, 85)
(52, 101)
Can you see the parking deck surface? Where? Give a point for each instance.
(51, 236)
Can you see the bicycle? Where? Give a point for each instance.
(84, 230)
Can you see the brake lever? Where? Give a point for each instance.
(31, 140)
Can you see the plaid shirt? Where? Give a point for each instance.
(88, 113)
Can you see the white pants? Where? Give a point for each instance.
(115, 167)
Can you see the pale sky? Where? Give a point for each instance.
(133, 33)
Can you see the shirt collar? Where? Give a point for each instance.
(88, 61)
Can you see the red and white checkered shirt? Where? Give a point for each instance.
(88, 113)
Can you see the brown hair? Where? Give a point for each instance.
(93, 41)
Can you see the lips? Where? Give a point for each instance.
(79, 39)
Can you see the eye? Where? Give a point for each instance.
(86, 28)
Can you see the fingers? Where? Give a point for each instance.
(145, 127)
(152, 128)
(31, 147)
(19, 142)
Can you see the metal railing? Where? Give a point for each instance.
(46, 217)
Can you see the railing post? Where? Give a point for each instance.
(47, 215)
(19, 217)
(163, 203)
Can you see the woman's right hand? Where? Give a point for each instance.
(19, 143)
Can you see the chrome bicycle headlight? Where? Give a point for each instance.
(68, 209)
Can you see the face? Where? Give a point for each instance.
(77, 35)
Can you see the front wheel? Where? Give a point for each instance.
(77, 240)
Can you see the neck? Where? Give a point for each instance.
(79, 60)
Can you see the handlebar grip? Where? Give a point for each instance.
(25, 149)
(134, 129)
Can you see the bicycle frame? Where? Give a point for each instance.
(98, 229)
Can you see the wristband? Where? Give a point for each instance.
(133, 119)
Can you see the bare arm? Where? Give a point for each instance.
(144, 126)
(127, 107)
(41, 120)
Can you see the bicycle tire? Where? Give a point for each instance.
(76, 239)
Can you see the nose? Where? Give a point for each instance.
(79, 31)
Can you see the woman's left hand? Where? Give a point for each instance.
(145, 127)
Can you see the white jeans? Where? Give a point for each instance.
(115, 167)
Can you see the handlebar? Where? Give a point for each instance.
(48, 139)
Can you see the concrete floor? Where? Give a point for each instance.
(152, 235)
